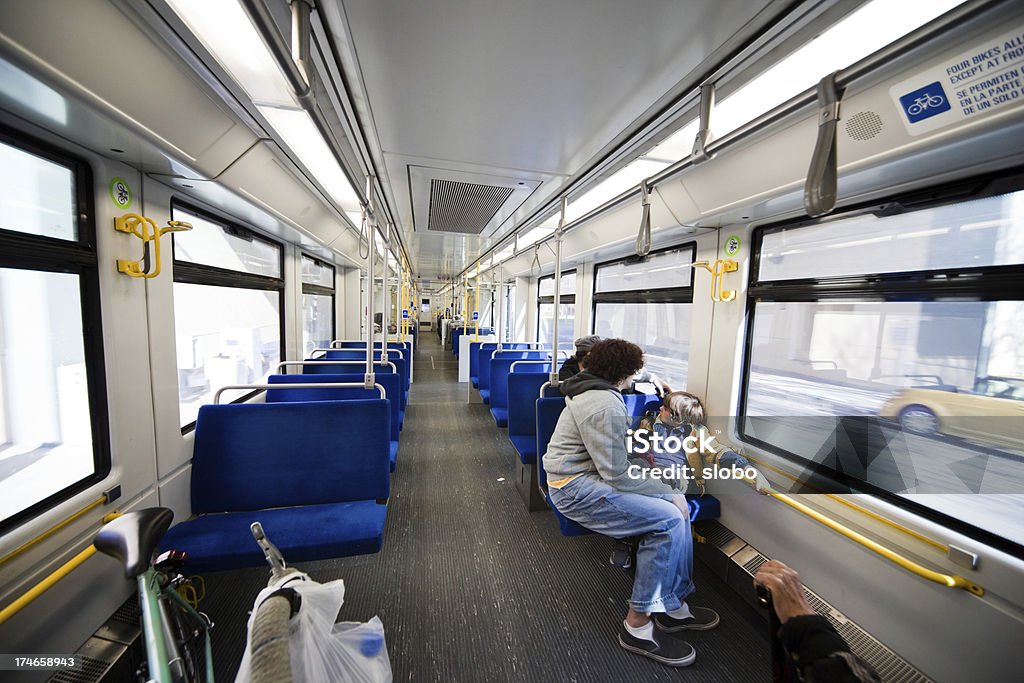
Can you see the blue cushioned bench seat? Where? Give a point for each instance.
(523, 391)
(475, 349)
(311, 472)
(396, 357)
(391, 383)
(498, 370)
(549, 409)
(219, 542)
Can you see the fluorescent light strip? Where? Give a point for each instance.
(297, 130)
(226, 31)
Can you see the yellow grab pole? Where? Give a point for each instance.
(54, 529)
(950, 580)
(50, 581)
(476, 308)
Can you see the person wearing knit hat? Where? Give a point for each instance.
(571, 366)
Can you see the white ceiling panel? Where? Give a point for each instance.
(524, 89)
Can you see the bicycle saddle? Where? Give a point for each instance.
(133, 537)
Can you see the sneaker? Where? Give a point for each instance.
(664, 649)
(622, 554)
(703, 619)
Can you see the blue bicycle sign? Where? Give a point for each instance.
(925, 102)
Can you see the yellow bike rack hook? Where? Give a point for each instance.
(145, 229)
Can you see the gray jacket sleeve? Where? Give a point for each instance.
(603, 436)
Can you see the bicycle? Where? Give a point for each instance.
(177, 636)
(926, 101)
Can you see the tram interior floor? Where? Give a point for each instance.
(472, 587)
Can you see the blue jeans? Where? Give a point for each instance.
(664, 561)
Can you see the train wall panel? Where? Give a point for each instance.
(166, 103)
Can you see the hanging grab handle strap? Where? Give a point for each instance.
(820, 188)
(700, 142)
(643, 238)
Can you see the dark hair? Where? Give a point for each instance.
(614, 360)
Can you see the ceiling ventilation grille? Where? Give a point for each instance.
(464, 208)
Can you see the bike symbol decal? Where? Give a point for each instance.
(120, 193)
(925, 102)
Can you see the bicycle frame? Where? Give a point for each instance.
(158, 631)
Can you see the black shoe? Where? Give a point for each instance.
(703, 619)
(664, 649)
(622, 554)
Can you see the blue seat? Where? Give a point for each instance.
(500, 366)
(475, 349)
(351, 367)
(549, 409)
(523, 391)
(471, 330)
(314, 474)
(391, 382)
(396, 357)
(484, 367)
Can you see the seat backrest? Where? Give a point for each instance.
(638, 404)
(548, 412)
(475, 349)
(523, 391)
(501, 365)
(484, 361)
(391, 382)
(396, 356)
(347, 368)
(254, 456)
(531, 366)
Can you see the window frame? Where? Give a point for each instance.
(978, 283)
(321, 290)
(190, 273)
(562, 298)
(655, 295)
(24, 251)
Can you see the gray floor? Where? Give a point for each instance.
(472, 587)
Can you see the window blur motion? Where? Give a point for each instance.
(228, 287)
(317, 304)
(49, 413)
(566, 309)
(648, 302)
(915, 318)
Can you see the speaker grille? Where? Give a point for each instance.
(465, 208)
(864, 125)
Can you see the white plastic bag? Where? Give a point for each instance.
(322, 651)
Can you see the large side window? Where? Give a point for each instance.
(648, 301)
(912, 320)
(228, 312)
(566, 309)
(317, 304)
(54, 439)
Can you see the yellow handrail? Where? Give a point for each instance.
(950, 580)
(874, 515)
(52, 530)
(51, 580)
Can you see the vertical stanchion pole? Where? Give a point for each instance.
(387, 296)
(371, 230)
(553, 377)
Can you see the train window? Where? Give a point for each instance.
(566, 309)
(648, 302)
(37, 196)
(54, 438)
(914, 319)
(226, 246)
(228, 308)
(317, 304)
